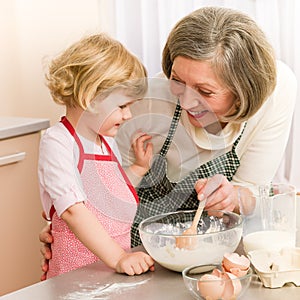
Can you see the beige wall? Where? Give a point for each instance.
(31, 32)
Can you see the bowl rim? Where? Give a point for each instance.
(219, 266)
(240, 223)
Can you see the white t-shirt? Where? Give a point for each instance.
(59, 179)
(260, 149)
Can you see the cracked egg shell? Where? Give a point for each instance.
(233, 286)
(234, 260)
(238, 272)
(211, 286)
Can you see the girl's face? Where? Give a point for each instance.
(108, 114)
(200, 92)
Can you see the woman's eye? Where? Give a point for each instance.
(176, 80)
(123, 106)
(205, 93)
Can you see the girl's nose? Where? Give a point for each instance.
(126, 113)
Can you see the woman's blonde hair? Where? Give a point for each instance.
(93, 66)
(237, 49)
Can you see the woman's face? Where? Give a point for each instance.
(200, 92)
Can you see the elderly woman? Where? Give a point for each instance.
(220, 117)
(226, 118)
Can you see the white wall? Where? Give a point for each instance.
(8, 69)
(31, 32)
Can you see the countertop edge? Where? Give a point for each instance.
(15, 126)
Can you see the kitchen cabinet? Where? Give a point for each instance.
(20, 206)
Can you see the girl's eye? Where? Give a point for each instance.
(123, 106)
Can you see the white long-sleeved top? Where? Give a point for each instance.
(59, 179)
(260, 149)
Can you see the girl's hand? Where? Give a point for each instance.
(135, 263)
(143, 151)
(220, 193)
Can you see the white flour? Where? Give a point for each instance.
(103, 292)
(177, 259)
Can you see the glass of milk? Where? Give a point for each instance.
(273, 226)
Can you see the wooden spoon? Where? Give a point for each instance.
(189, 242)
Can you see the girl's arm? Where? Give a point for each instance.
(91, 233)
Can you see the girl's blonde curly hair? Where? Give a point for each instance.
(93, 66)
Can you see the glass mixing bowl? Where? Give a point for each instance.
(218, 232)
(214, 289)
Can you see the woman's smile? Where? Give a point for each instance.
(197, 114)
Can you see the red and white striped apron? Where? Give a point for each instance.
(110, 197)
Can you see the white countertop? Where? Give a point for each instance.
(15, 126)
(96, 281)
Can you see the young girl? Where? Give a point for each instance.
(84, 191)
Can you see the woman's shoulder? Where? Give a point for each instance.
(285, 75)
(281, 103)
(284, 94)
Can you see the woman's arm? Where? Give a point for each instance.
(263, 144)
(46, 239)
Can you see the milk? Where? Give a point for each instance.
(268, 239)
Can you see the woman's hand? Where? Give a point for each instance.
(220, 193)
(135, 263)
(46, 239)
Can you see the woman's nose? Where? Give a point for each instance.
(189, 99)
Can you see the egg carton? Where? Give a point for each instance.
(276, 268)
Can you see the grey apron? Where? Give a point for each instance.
(159, 195)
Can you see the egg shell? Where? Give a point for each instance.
(212, 289)
(238, 272)
(217, 273)
(233, 286)
(234, 260)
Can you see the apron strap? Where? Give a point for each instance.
(72, 131)
(83, 155)
(172, 130)
(239, 137)
(114, 158)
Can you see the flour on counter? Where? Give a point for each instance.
(103, 291)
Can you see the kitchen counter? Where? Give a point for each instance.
(96, 281)
(16, 126)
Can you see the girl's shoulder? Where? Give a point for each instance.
(56, 136)
(56, 131)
